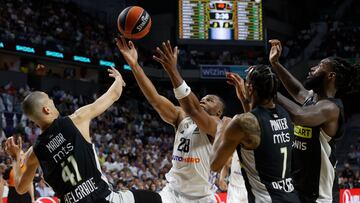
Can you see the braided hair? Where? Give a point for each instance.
(347, 76)
(264, 80)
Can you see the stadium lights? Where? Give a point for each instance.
(54, 54)
(82, 59)
(106, 63)
(25, 49)
(127, 67)
(1, 45)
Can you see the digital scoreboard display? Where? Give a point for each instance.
(216, 20)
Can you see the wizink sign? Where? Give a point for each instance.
(350, 196)
(218, 71)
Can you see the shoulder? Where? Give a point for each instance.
(328, 108)
(245, 118)
(249, 127)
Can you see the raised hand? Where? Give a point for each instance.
(116, 75)
(275, 51)
(239, 84)
(13, 148)
(167, 56)
(128, 50)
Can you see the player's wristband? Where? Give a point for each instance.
(182, 91)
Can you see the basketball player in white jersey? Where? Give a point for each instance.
(236, 190)
(188, 179)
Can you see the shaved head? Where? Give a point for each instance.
(35, 103)
(32, 103)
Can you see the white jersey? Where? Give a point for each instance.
(190, 169)
(236, 178)
(236, 190)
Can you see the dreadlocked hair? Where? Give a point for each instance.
(264, 80)
(347, 76)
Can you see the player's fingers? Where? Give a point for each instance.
(123, 42)
(7, 143)
(19, 141)
(158, 59)
(12, 142)
(161, 53)
(109, 70)
(176, 51)
(238, 78)
(230, 82)
(168, 44)
(166, 50)
(131, 45)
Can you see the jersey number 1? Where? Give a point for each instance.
(67, 174)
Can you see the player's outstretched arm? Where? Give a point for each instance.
(292, 85)
(188, 101)
(23, 180)
(243, 129)
(85, 114)
(165, 108)
(314, 115)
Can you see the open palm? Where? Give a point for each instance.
(128, 50)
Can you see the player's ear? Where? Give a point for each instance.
(219, 113)
(46, 110)
(332, 75)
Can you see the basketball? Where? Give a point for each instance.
(134, 22)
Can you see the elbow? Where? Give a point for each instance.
(297, 119)
(20, 189)
(214, 166)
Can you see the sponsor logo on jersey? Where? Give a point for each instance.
(303, 132)
(192, 160)
(81, 191)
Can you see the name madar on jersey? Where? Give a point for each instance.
(56, 144)
(279, 126)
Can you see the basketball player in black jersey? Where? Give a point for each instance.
(262, 138)
(66, 154)
(318, 122)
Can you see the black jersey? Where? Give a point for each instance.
(267, 169)
(314, 161)
(70, 164)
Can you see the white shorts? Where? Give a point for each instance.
(168, 195)
(122, 196)
(236, 194)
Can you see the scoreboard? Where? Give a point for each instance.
(209, 20)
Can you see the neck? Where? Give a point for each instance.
(269, 104)
(45, 124)
(327, 93)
